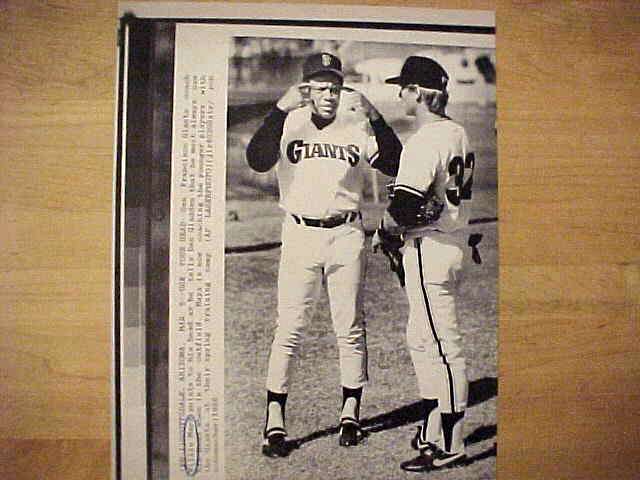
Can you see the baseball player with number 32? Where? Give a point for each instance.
(321, 158)
(436, 162)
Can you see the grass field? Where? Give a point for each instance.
(389, 409)
(390, 405)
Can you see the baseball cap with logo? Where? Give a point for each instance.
(321, 62)
(421, 71)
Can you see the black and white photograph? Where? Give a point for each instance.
(346, 368)
(306, 243)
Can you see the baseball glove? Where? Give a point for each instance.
(390, 244)
(429, 211)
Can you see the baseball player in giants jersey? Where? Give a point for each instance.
(321, 156)
(436, 160)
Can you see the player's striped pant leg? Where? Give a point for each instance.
(434, 341)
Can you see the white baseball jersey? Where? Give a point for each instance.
(439, 154)
(321, 170)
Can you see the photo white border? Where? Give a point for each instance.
(301, 11)
(313, 15)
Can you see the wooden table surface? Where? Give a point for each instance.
(569, 172)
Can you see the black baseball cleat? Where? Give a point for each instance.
(433, 458)
(275, 444)
(350, 433)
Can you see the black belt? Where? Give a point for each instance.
(330, 222)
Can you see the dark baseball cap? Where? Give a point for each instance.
(321, 62)
(421, 71)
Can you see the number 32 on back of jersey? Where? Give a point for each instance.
(460, 179)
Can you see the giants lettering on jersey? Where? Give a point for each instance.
(298, 150)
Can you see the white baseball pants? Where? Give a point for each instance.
(432, 264)
(308, 253)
